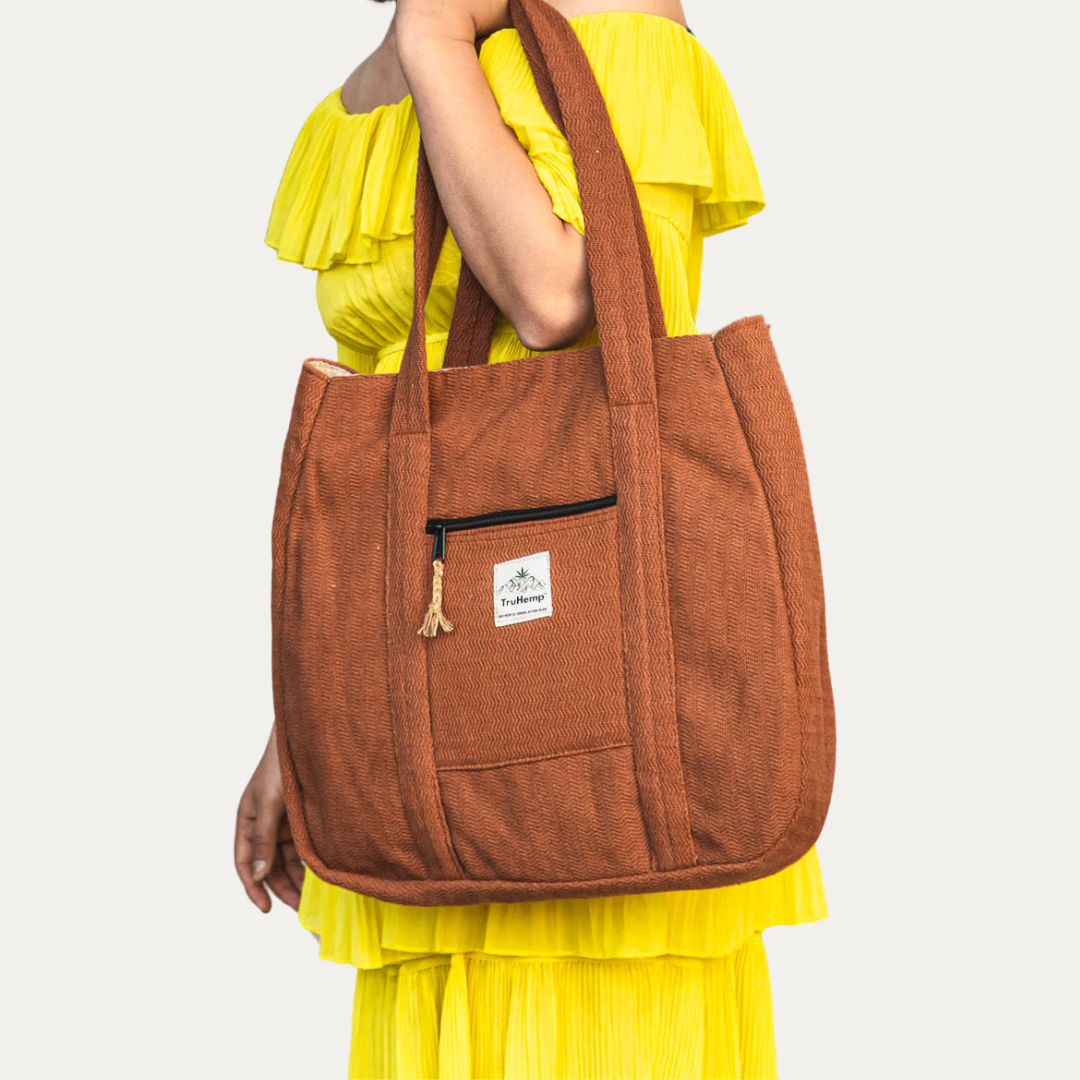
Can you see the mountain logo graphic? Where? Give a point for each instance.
(522, 582)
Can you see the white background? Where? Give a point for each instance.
(917, 263)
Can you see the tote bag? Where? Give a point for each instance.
(553, 627)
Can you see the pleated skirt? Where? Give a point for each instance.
(653, 986)
(471, 1015)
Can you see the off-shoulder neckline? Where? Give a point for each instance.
(393, 105)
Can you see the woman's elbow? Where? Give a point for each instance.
(556, 322)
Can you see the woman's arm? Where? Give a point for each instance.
(531, 263)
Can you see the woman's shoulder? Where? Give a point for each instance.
(348, 183)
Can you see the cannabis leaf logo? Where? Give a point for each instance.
(522, 581)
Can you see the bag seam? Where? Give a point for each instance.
(538, 758)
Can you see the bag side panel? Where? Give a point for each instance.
(334, 710)
(738, 717)
(310, 390)
(751, 369)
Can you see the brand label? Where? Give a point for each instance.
(523, 589)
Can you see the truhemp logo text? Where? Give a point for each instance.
(523, 589)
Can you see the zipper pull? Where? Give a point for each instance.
(438, 549)
(435, 620)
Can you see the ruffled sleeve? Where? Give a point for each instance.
(349, 182)
(669, 105)
(348, 185)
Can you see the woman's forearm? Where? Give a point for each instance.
(531, 263)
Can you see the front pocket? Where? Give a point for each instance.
(522, 597)
(504, 691)
(570, 818)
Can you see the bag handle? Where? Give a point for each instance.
(577, 74)
(472, 324)
(626, 295)
(475, 312)
(628, 317)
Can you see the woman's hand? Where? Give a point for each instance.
(265, 852)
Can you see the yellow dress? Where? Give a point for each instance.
(662, 985)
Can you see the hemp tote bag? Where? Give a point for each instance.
(553, 627)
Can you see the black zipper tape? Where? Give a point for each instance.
(439, 527)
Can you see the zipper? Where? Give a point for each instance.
(435, 619)
(439, 527)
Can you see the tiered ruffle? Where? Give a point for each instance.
(369, 933)
(348, 185)
(349, 182)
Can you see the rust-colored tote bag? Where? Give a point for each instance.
(552, 627)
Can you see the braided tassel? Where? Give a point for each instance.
(435, 620)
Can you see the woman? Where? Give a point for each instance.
(674, 984)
